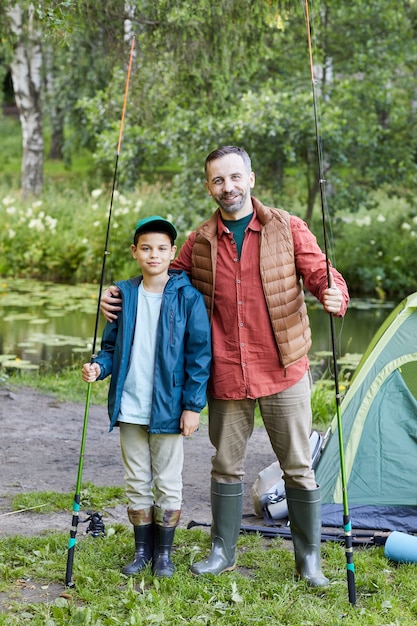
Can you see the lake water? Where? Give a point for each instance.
(44, 323)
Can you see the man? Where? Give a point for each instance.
(248, 261)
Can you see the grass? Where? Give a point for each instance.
(62, 385)
(262, 590)
(92, 497)
(81, 163)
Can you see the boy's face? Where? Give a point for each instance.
(154, 253)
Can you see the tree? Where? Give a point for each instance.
(54, 60)
(25, 68)
(237, 71)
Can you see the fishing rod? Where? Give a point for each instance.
(77, 495)
(347, 525)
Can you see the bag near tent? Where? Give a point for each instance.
(268, 490)
(379, 418)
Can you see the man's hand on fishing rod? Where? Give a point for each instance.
(110, 303)
(90, 372)
(332, 298)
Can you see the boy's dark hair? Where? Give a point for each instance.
(155, 224)
(223, 151)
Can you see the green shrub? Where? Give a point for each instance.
(376, 249)
(61, 237)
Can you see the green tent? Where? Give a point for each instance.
(379, 417)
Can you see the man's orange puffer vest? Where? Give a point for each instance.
(282, 286)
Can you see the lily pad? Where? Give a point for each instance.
(15, 317)
(20, 365)
(51, 340)
(58, 312)
(6, 357)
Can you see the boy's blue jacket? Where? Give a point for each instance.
(183, 352)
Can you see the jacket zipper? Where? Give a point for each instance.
(171, 327)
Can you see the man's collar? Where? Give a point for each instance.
(254, 224)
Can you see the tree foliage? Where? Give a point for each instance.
(237, 71)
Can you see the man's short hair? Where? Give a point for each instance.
(223, 151)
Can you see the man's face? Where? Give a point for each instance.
(229, 183)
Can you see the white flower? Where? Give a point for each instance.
(84, 241)
(123, 200)
(51, 222)
(96, 223)
(414, 220)
(7, 200)
(138, 204)
(96, 193)
(37, 204)
(12, 233)
(380, 218)
(11, 210)
(405, 226)
(364, 221)
(396, 259)
(94, 206)
(36, 224)
(124, 211)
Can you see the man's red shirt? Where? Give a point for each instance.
(245, 361)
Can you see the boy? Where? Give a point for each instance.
(158, 354)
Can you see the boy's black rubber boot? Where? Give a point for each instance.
(144, 544)
(162, 565)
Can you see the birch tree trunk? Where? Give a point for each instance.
(26, 76)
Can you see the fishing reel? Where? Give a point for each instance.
(96, 526)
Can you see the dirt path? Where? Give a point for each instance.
(40, 448)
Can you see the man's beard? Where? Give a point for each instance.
(238, 204)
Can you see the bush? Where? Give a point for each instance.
(61, 236)
(376, 249)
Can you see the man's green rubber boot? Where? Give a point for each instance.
(226, 508)
(304, 511)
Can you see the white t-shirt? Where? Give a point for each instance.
(136, 403)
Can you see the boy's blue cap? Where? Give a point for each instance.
(155, 223)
